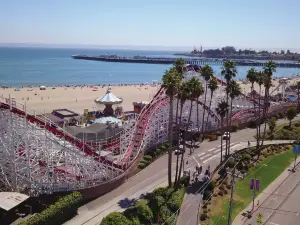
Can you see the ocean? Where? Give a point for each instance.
(51, 66)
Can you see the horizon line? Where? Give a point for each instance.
(132, 47)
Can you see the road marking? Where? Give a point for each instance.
(211, 149)
(196, 161)
(202, 154)
(205, 156)
(214, 156)
(218, 150)
(273, 223)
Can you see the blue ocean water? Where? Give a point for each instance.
(50, 66)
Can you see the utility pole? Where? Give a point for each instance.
(233, 176)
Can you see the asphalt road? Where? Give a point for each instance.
(155, 176)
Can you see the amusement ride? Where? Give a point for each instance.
(38, 157)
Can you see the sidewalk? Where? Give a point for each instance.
(189, 212)
(264, 197)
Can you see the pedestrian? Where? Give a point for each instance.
(248, 144)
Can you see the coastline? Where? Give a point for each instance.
(77, 98)
(80, 97)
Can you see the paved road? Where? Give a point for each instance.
(155, 176)
(279, 203)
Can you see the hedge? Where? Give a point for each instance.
(115, 218)
(148, 158)
(58, 213)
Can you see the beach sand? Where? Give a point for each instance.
(78, 98)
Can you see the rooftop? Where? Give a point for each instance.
(9, 200)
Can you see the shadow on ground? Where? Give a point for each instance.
(126, 203)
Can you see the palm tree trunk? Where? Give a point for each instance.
(221, 140)
(184, 140)
(298, 100)
(177, 160)
(227, 123)
(170, 142)
(259, 120)
(204, 107)
(177, 135)
(211, 95)
(189, 119)
(229, 139)
(198, 115)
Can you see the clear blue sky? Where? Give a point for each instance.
(252, 24)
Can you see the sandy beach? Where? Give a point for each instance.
(77, 98)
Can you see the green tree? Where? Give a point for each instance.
(268, 70)
(229, 72)
(180, 66)
(251, 76)
(115, 218)
(221, 111)
(206, 72)
(212, 86)
(171, 82)
(272, 124)
(195, 91)
(291, 114)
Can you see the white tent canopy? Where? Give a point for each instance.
(108, 98)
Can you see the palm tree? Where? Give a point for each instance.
(206, 72)
(195, 90)
(212, 86)
(183, 95)
(221, 111)
(171, 81)
(235, 91)
(260, 78)
(268, 70)
(251, 76)
(229, 72)
(179, 66)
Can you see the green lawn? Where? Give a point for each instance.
(266, 171)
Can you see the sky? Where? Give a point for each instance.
(256, 24)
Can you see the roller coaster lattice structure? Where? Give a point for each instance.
(37, 157)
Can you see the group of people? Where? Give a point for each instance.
(198, 172)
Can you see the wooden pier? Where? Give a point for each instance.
(199, 62)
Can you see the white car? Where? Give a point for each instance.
(226, 135)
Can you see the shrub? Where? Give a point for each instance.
(225, 192)
(115, 218)
(230, 163)
(165, 213)
(185, 180)
(175, 200)
(148, 158)
(143, 211)
(203, 216)
(222, 187)
(234, 128)
(144, 162)
(62, 210)
(220, 193)
(207, 195)
(211, 185)
(218, 133)
(141, 165)
(252, 124)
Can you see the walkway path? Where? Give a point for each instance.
(279, 202)
(189, 212)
